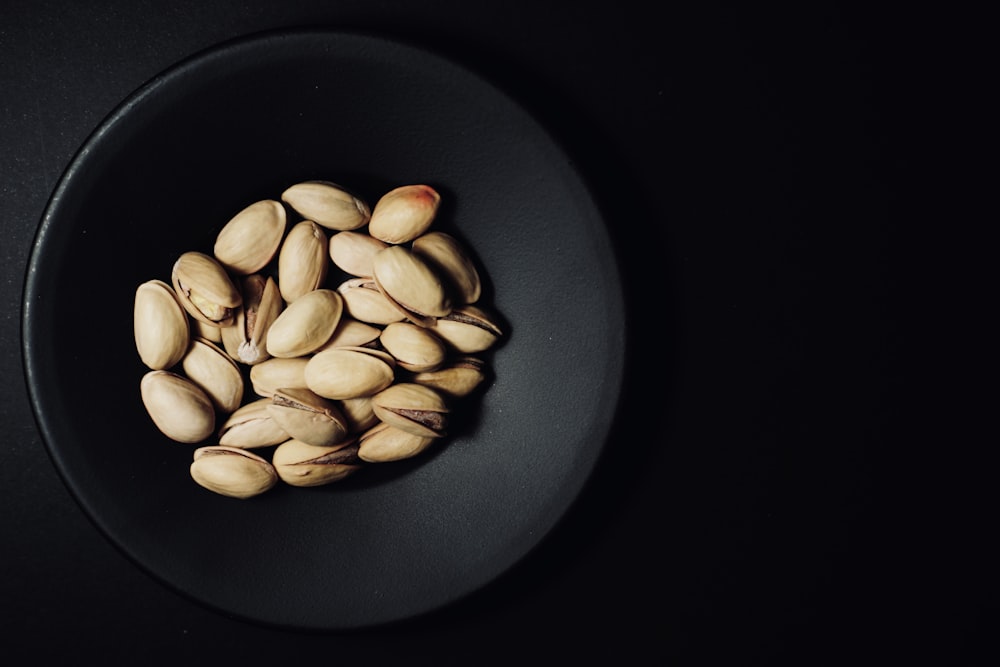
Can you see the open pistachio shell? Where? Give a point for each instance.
(161, 326)
(262, 303)
(301, 464)
(204, 289)
(410, 284)
(328, 204)
(302, 260)
(404, 213)
(233, 472)
(275, 373)
(215, 372)
(251, 426)
(383, 443)
(352, 252)
(457, 379)
(249, 241)
(451, 260)
(414, 408)
(306, 324)
(468, 329)
(414, 348)
(179, 408)
(305, 416)
(349, 372)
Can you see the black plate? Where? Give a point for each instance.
(239, 123)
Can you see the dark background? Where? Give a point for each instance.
(761, 500)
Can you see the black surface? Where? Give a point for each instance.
(241, 123)
(762, 500)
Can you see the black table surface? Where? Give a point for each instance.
(746, 511)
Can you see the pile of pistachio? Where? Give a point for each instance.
(366, 372)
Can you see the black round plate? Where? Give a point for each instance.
(239, 123)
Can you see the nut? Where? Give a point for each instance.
(305, 416)
(352, 252)
(306, 324)
(328, 204)
(273, 374)
(249, 241)
(233, 472)
(410, 284)
(459, 378)
(211, 369)
(404, 213)
(414, 348)
(383, 443)
(204, 289)
(160, 324)
(302, 260)
(364, 302)
(302, 464)
(349, 372)
(468, 329)
(451, 260)
(178, 407)
(262, 304)
(251, 426)
(413, 408)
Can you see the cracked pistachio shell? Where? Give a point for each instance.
(301, 464)
(414, 348)
(410, 284)
(302, 260)
(204, 289)
(352, 252)
(273, 374)
(358, 412)
(328, 204)
(306, 324)
(414, 408)
(468, 329)
(251, 426)
(349, 372)
(404, 213)
(210, 368)
(457, 379)
(352, 333)
(179, 408)
(451, 260)
(160, 326)
(233, 472)
(251, 238)
(305, 416)
(364, 302)
(384, 443)
(245, 340)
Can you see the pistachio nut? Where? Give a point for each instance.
(414, 348)
(205, 289)
(383, 443)
(468, 329)
(251, 426)
(215, 372)
(352, 333)
(306, 324)
(358, 412)
(262, 303)
(302, 260)
(452, 261)
(414, 408)
(249, 241)
(364, 302)
(352, 252)
(179, 408)
(301, 464)
(457, 379)
(410, 284)
(328, 204)
(349, 372)
(233, 472)
(305, 416)
(206, 331)
(160, 325)
(275, 373)
(404, 213)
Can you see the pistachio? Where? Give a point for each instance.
(349, 372)
(160, 325)
(206, 331)
(414, 408)
(451, 260)
(383, 443)
(233, 472)
(410, 284)
(262, 304)
(273, 374)
(218, 375)
(328, 204)
(352, 333)
(352, 252)
(302, 260)
(404, 213)
(249, 241)
(364, 302)
(414, 348)
(305, 416)
(358, 413)
(251, 426)
(301, 464)
(204, 289)
(459, 378)
(179, 408)
(306, 324)
(468, 329)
